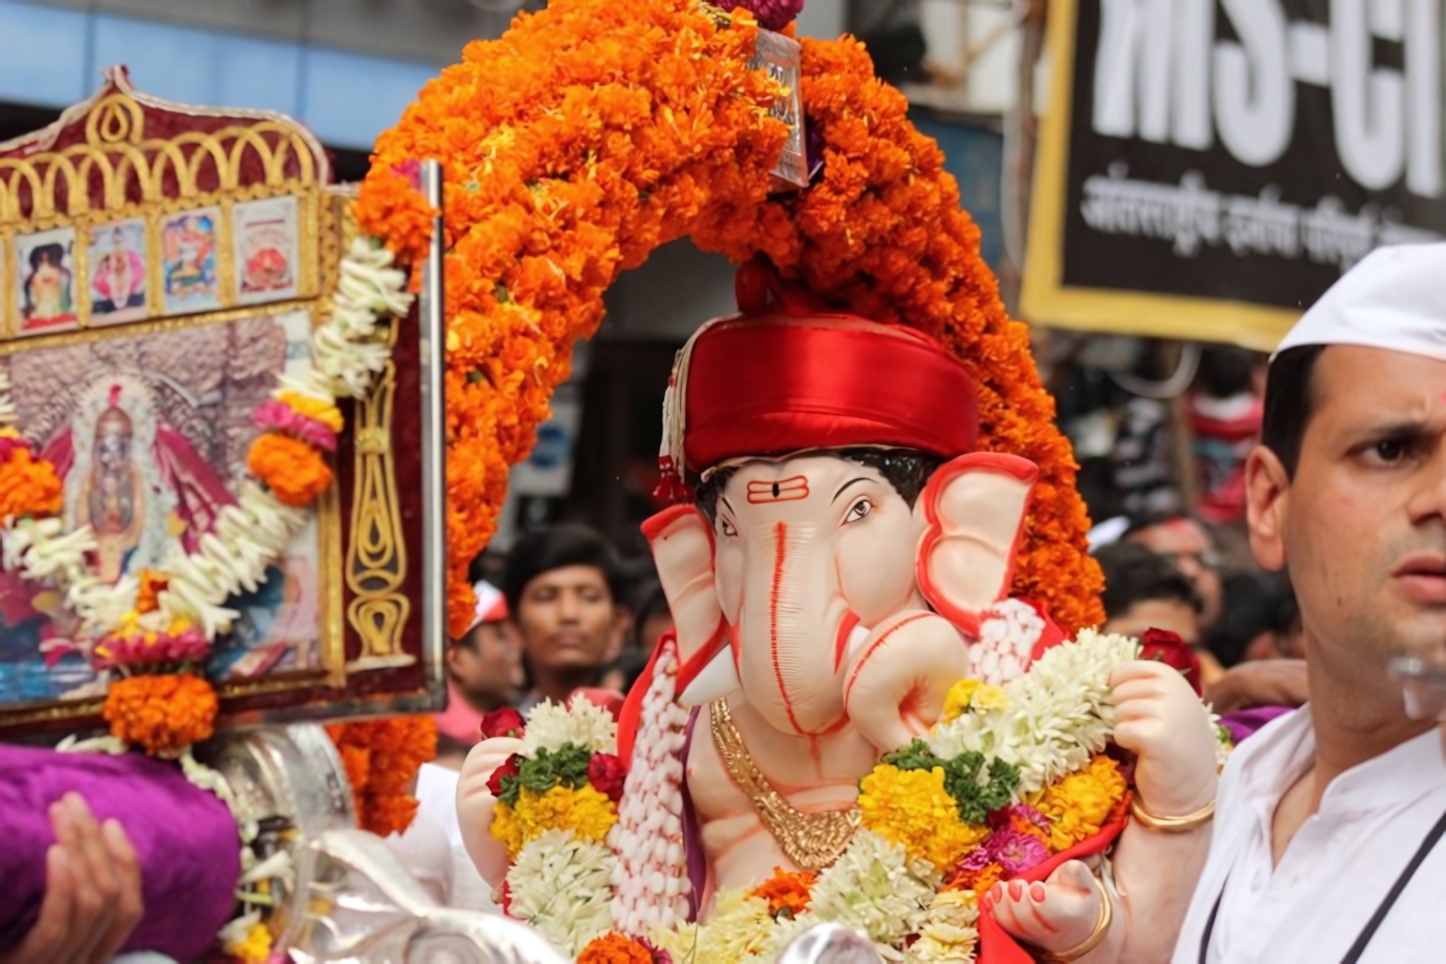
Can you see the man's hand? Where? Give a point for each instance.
(92, 891)
(1265, 682)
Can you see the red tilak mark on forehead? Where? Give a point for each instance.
(784, 490)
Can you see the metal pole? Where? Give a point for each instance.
(433, 324)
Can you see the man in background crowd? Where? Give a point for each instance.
(1186, 545)
(1144, 592)
(564, 588)
(1225, 413)
(484, 673)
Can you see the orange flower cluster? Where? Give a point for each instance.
(152, 584)
(978, 881)
(397, 210)
(788, 894)
(161, 714)
(28, 486)
(381, 759)
(614, 948)
(594, 132)
(294, 471)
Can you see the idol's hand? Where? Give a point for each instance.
(475, 805)
(92, 891)
(1159, 717)
(1057, 915)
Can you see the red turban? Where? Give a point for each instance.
(794, 377)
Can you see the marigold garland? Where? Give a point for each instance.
(788, 892)
(614, 948)
(585, 811)
(28, 486)
(381, 758)
(163, 714)
(912, 808)
(609, 129)
(294, 471)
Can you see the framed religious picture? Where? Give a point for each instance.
(220, 496)
(45, 286)
(265, 249)
(117, 268)
(189, 260)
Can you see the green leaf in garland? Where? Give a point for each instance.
(565, 766)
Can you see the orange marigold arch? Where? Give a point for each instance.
(595, 131)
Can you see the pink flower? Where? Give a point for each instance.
(412, 171)
(978, 859)
(280, 417)
(1015, 850)
(1002, 818)
(771, 14)
(152, 649)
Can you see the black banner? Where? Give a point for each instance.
(1245, 151)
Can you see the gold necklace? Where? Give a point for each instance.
(812, 841)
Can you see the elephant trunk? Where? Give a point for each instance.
(789, 625)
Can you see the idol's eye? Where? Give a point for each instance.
(858, 510)
(726, 527)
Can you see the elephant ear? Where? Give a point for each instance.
(974, 508)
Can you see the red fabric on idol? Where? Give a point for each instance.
(782, 384)
(791, 374)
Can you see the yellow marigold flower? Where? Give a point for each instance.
(584, 810)
(989, 698)
(958, 699)
(912, 808)
(1078, 805)
(313, 408)
(257, 946)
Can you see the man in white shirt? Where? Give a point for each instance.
(1327, 836)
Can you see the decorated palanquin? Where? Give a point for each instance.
(217, 406)
(883, 707)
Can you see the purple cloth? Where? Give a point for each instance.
(692, 832)
(185, 837)
(1245, 723)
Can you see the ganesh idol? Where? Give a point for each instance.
(845, 561)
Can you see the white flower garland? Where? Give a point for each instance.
(562, 886)
(651, 880)
(251, 535)
(1057, 715)
(581, 723)
(877, 890)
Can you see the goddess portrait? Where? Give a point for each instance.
(118, 273)
(47, 284)
(135, 480)
(188, 243)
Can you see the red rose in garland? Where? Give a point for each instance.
(1170, 649)
(503, 722)
(508, 769)
(606, 774)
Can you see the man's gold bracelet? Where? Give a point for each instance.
(1172, 824)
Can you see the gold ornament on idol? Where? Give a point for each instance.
(812, 841)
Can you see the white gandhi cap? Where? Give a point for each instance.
(1394, 299)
